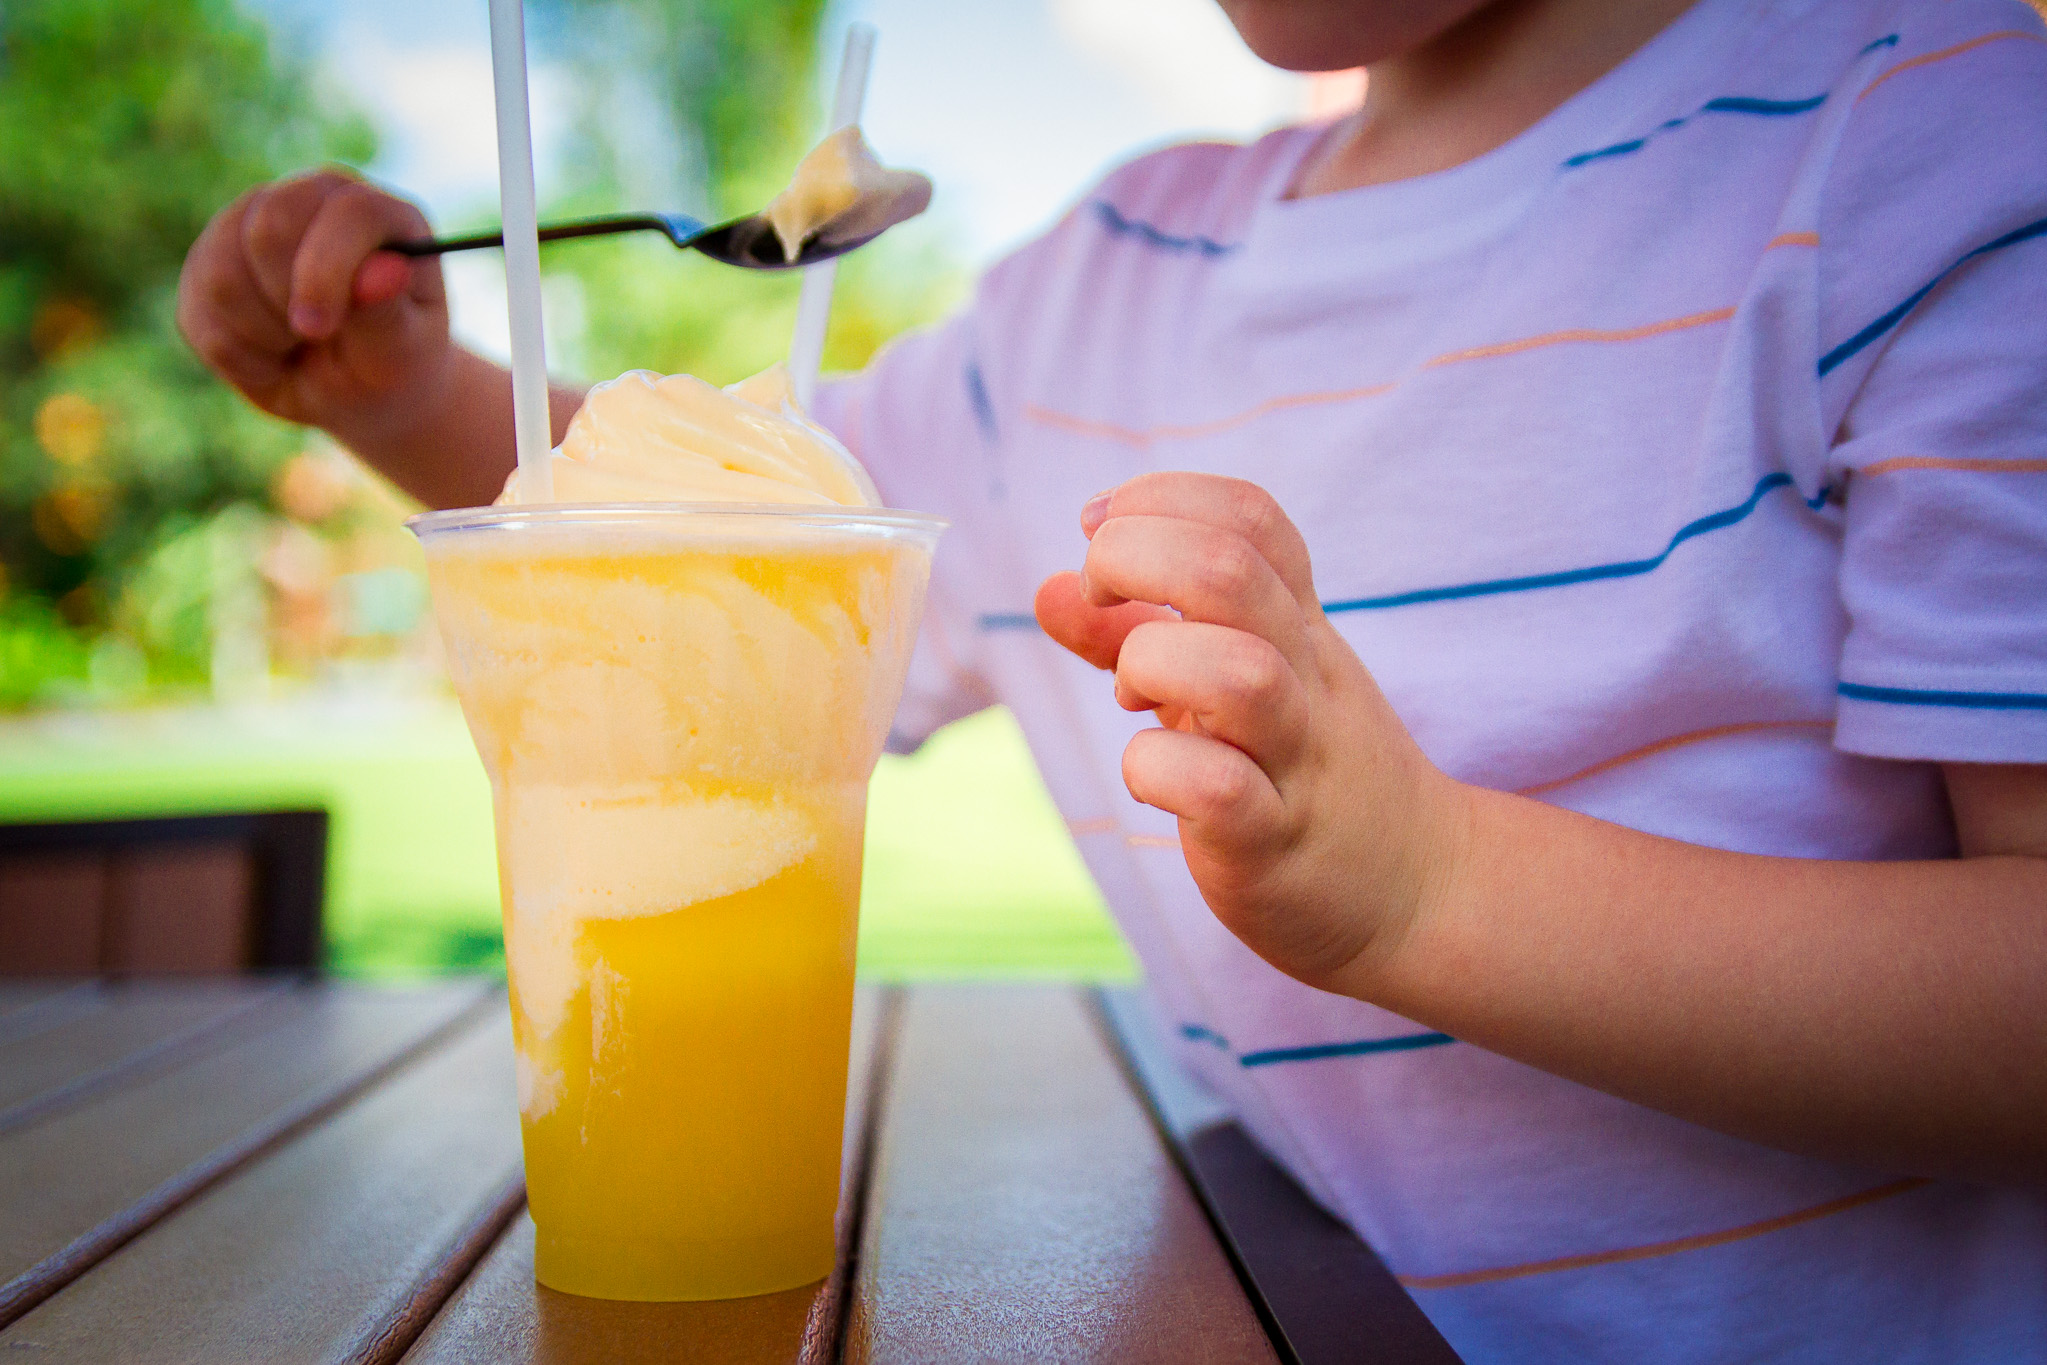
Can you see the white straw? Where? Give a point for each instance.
(532, 430)
(814, 307)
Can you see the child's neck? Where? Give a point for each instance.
(1477, 85)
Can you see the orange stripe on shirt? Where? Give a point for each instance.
(1903, 462)
(1746, 727)
(1792, 239)
(1579, 335)
(1152, 840)
(1671, 1248)
(1929, 58)
(1144, 436)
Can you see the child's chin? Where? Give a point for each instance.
(1339, 35)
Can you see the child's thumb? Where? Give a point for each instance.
(381, 277)
(1095, 633)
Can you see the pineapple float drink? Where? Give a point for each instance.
(679, 708)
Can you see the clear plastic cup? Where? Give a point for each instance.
(679, 707)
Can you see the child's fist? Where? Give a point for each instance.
(288, 297)
(1313, 825)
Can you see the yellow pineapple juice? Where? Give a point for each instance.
(679, 710)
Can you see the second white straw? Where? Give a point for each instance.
(533, 430)
(814, 307)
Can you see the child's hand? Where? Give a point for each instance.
(288, 298)
(1314, 826)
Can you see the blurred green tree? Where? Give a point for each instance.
(124, 124)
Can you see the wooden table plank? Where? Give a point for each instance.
(316, 1252)
(74, 1187)
(1325, 1295)
(1022, 1206)
(502, 1315)
(41, 1011)
(141, 1027)
(19, 992)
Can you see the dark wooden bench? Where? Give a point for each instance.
(209, 894)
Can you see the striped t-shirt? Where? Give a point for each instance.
(1682, 462)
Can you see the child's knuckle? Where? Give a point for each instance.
(349, 197)
(271, 228)
(1224, 785)
(359, 202)
(327, 179)
(1226, 569)
(1253, 511)
(1251, 673)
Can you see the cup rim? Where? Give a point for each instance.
(671, 515)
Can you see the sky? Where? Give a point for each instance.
(1013, 108)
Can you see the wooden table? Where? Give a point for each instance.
(287, 1170)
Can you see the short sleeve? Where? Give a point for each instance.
(911, 419)
(1933, 375)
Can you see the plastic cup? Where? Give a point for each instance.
(679, 708)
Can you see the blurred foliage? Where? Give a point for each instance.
(731, 79)
(123, 125)
(128, 477)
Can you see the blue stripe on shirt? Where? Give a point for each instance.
(1891, 319)
(1915, 696)
(998, 621)
(1406, 1042)
(1112, 218)
(1006, 620)
(978, 400)
(1564, 578)
(1312, 1052)
(1724, 104)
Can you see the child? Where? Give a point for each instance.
(1650, 774)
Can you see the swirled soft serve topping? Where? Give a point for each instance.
(644, 437)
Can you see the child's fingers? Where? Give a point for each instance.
(1235, 684)
(257, 373)
(274, 224)
(1204, 572)
(1094, 633)
(1232, 505)
(342, 236)
(222, 311)
(1212, 786)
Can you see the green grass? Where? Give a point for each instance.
(969, 868)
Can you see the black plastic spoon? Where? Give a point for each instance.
(748, 242)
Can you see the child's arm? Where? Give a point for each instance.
(1891, 1013)
(288, 298)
